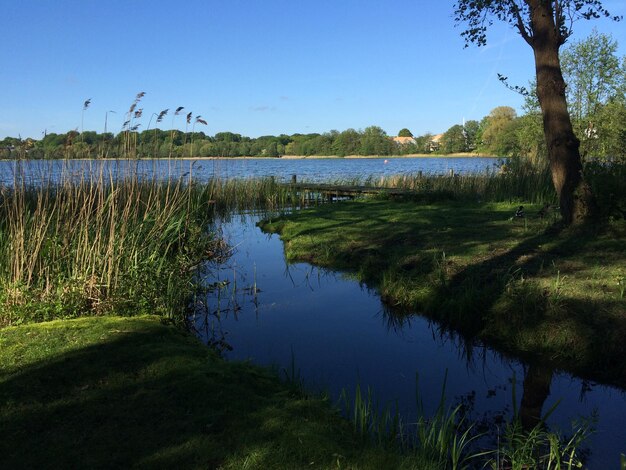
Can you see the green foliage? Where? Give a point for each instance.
(596, 79)
(498, 133)
(405, 133)
(98, 247)
(453, 140)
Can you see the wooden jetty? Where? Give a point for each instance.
(311, 191)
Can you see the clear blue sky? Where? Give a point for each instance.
(255, 67)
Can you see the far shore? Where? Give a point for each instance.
(284, 157)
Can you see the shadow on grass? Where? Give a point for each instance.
(520, 285)
(155, 397)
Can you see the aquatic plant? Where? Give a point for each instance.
(98, 245)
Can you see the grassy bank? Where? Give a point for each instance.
(122, 392)
(520, 284)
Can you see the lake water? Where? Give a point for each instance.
(310, 169)
(338, 334)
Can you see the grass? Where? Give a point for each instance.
(107, 391)
(116, 392)
(99, 245)
(521, 285)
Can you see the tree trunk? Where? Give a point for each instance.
(575, 197)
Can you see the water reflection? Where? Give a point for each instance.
(340, 334)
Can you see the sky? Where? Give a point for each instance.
(256, 67)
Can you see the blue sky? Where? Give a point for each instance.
(256, 67)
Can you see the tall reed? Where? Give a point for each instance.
(96, 245)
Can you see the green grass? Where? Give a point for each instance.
(522, 285)
(116, 392)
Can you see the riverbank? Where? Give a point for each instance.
(522, 285)
(115, 392)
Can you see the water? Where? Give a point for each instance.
(310, 169)
(338, 334)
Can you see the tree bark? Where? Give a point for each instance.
(576, 200)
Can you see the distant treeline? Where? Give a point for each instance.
(159, 143)
(501, 133)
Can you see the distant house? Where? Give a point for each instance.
(404, 140)
(435, 142)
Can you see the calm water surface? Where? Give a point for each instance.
(310, 169)
(339, 334)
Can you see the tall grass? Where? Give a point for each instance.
(94, 242)
(99, 245)
(520, 182)
(445, 439)
(516, 180)
(236, 195)
(438, 439)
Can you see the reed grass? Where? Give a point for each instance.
(97, 245)
(92, 241)
(444, 439)
(438, 439)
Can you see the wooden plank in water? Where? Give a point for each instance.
(348, 191)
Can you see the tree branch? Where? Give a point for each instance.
(520, 24)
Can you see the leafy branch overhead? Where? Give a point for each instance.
(479, 16)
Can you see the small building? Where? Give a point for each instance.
(435, 142)
(404, 140)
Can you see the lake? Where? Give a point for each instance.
(338, 334)
(310, 169)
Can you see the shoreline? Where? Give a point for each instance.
(283, 157)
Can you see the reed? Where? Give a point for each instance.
(538, 448)
(441, 439)
(95, 245)
(256, 194)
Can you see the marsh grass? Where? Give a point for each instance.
(91, 240)
(438, 439)
(538, 448)
(97, 244)
(446, 439)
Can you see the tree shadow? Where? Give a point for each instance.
(492, 297)
(131, 401)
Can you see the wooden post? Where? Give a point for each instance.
(451, 172)
(294, 179)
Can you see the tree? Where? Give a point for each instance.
(374, 141)
(453, 140)
(593, 74)
(405, 133)
(596, 82)
(496, 130)
(545, 25)
(472, 134)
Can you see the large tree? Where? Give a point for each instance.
(545, 25)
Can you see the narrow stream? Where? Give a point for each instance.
(337, 333)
